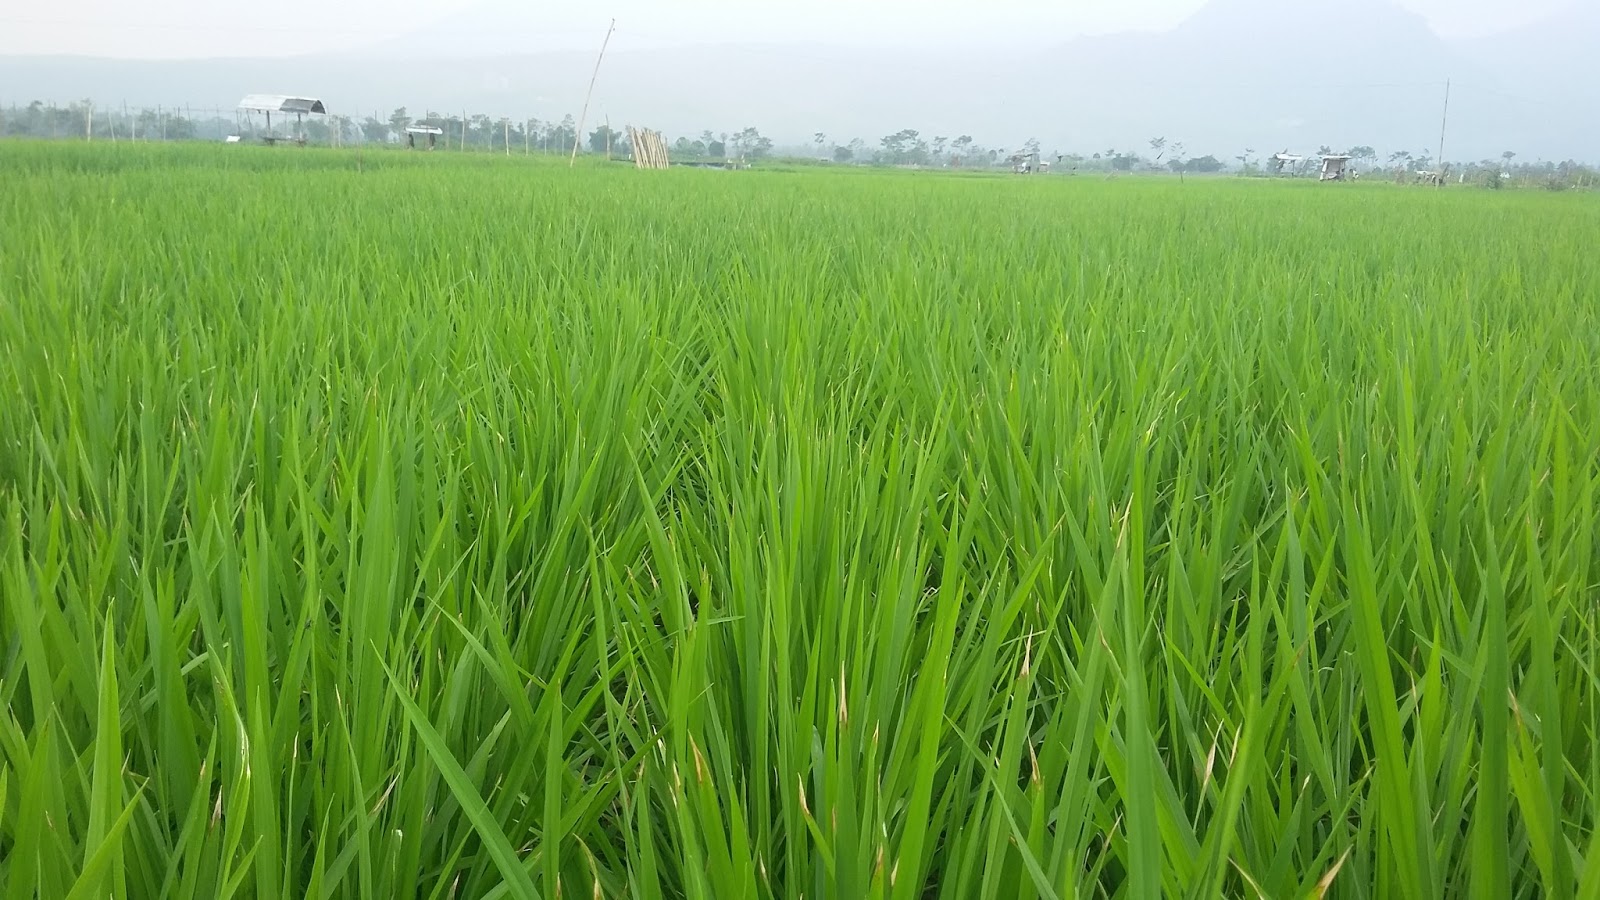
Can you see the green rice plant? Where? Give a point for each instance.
(431, 527)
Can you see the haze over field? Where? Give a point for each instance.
(1220, 76)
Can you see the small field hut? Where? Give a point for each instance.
(429, 133)
(284, 105)
(1335, 168)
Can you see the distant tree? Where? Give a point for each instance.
(939, 143)
(819, 139)
(1204, 165)
(682, 147)
(602, 138)
(749, 142)
(1400, 158)
(1362, 153)
(843, 154)
(904, 147)
(717, 149)
(1508, 156)
(343, 128)
(1177, 159)
(961, 146)
(374, 131)
(180, 128)
(564, 136)
(399, 121)
(483, 130)
(149, 122)
(1158, 146)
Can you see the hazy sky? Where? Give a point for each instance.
(207, 28)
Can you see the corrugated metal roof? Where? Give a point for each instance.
(281, 103)
(424, 129)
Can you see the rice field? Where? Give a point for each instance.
(436, 527)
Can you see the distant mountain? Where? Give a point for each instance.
(1562, 49)
(1550, 70)
(491, 29)
(1240, 73)
(1264, 75)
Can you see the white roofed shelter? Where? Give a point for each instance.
(1285, 160)
(431, 131)
(1334, 168)
(283, 104)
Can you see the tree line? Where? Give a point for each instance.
(907, 147)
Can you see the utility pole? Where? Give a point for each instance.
(584, 116)
(1444, 120)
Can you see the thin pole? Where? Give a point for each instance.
(583, 117)
(506, 123)
(524, 138)
(463, 130)
(1443, 122)
(608, 139)
(88, 122)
